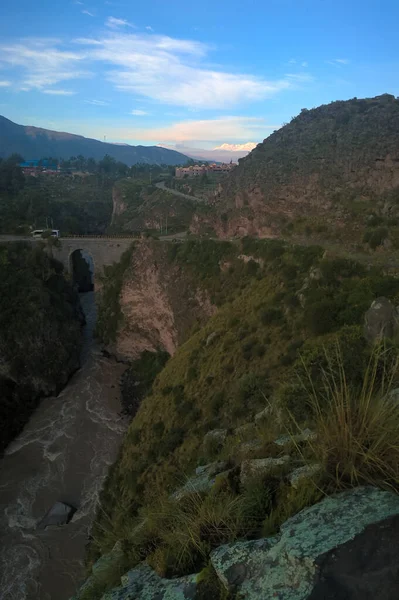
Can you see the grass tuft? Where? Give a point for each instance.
(357, 427)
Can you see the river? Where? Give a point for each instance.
(63, 454)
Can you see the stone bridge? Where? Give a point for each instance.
(102, 250)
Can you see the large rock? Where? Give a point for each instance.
(286, 567)
(59, 514)
(366, 568)
(302, 473)
(258, 467)
(381, 320)
(202, 481)
(142, 583)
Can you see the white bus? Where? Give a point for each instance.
(38, 233)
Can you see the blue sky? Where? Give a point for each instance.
(199, 74)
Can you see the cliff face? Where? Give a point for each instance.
(159, 301)
(40, 337)
(329, 165)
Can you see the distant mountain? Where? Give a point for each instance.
(237, 147)
(35, 142)
(221, 154)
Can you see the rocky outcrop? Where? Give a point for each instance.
(343, 547)
(160, 303)
(287, 566)
(381, 320)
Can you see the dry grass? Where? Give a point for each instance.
(357, 429)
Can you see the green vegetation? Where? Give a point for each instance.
(204, 187)
(282, 311)
(143, 207)
(109, 310)
(40, 337)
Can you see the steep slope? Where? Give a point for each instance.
(333, 170)
(280, 308)
(35, 142)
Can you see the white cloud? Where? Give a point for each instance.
(338, 61)
(115, 23)
(39, 63)
(87, 12)
(169, 70)
(163, 69)
(226, 128)
(58, 92)
(138, 113)
(149, 28)
(5, 83)
(97, 102)
(304, 64)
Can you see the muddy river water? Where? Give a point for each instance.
(63, 454)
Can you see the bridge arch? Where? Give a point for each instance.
(81, 269)
(103, 252)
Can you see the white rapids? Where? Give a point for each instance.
(63, 454)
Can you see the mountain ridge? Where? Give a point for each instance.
(37, 142)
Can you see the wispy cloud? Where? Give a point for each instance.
(87, 12)
(170, 71)
(163, 69)
(304, 63)
(97, 102)
(138, 113)
(338, 61)
(149, 28)
(59, 92)
(226, 128)
(5, 83)
(115, 23)
(38, 63)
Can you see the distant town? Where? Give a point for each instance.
(198, 170)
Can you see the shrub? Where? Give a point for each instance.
(375, 237)
(271, 316)
(321, 317)
(357, 426)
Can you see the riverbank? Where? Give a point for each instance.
(63, 454)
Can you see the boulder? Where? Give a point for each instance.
(304, 436)
(364, 568)
(59, 514)
(257, 467)
(202, 481)
(381, 320)
(286, 566)
(211, 337)
(302, 473)
(142, 583)
(214, 440)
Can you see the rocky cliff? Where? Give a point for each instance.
(333, 170)
(40, 333)
(159, 302)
